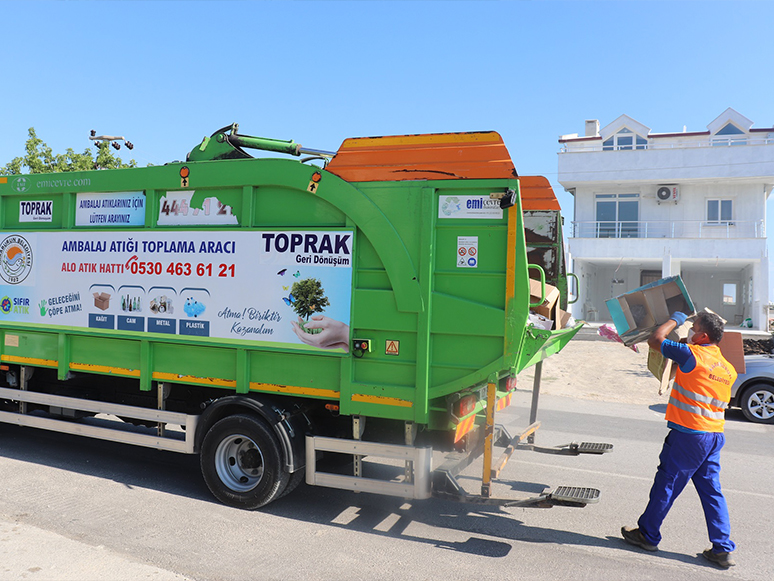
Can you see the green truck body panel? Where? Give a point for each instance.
(435, 327)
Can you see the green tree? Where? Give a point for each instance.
(39, 158)
(309, 297)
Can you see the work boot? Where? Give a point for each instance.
(633, 536)
(721, 559)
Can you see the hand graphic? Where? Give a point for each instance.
(42, 307)
(334, 334)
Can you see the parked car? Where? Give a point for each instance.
(753, 391)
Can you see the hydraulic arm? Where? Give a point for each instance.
(226, 143)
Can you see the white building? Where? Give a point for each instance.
(649, 205)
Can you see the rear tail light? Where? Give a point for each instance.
(510, 383)
(467, 405)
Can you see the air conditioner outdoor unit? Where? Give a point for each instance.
(668, 194)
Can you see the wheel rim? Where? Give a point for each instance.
(239, 463)
(761, 404)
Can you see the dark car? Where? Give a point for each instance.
(753, 391)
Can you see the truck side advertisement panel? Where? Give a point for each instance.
(227, 285)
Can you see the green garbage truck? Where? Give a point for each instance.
(277, 315)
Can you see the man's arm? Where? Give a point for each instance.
(660, 334)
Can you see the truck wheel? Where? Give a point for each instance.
(241, 462)
(295, 479)
(757, 403)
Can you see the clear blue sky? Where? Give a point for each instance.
(165, 74)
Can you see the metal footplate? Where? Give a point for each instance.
(574, 496)
(572, 449)
(593, 448)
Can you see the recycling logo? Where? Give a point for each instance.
(21, 184)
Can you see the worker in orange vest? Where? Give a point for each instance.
(695, 416)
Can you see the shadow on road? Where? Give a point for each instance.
(462, 528)
(458, 527)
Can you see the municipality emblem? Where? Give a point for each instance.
(15, 259)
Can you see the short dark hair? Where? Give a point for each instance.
(711, 324)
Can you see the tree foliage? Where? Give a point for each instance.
(309, 297)
(39, 158)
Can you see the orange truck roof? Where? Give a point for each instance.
(434, 156)
(537, 194)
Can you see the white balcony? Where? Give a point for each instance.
(670, 143)
(668, 162)
(686, 229)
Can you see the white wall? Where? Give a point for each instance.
(748, 200)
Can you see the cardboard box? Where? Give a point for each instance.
(563, 318)
(102, 301)
(638, 313)
(549, 308)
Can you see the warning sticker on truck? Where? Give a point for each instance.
(467, 251)
(291, 287)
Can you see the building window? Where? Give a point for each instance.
(617, 215)
(624, 139)
(729, 294)
(649, 276)
(730, 134)
(720, 211)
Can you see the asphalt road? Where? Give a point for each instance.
(72, 508)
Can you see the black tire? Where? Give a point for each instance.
(242, 464)
(295, 479)
(757, 403)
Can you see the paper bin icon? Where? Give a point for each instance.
(102, 301)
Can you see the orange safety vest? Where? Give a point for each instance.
(699, 398)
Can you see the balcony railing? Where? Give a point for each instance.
(583, 147)
(669, 229)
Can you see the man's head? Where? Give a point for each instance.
(707, 328)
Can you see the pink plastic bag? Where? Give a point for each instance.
(609, 332)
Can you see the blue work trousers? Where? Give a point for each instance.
(687, 457)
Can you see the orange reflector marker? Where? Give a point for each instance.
(332, 407)
(464, 427)
(316, 176)
(184, 172)
(4, 368)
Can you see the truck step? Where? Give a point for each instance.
(593, 448)
(574, 495)
(572, 449)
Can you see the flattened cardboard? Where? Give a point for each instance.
(732, 348)
(662, 368)
(562, 318)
